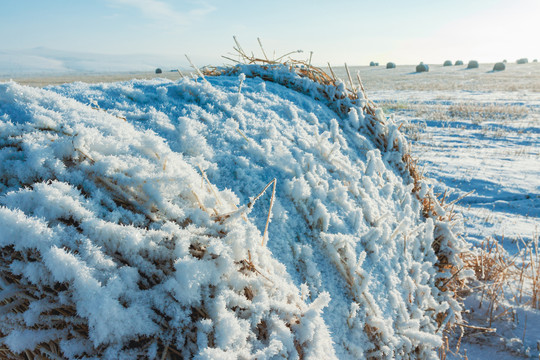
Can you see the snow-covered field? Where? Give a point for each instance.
(347, 268)
(477, 133)
(484, 136)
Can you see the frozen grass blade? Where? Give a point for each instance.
(196, 68)
(203, 173)
(262, 49)
(351, 84)
(241, 133)
(332, 72)
(252, 202)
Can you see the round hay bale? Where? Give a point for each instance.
(499, 66)
(372, 63)
(422, 67)
(522, 61)
(390, 65)
(158, 71)
(473, 64)
(103, 255)
(504, 61)
(458, 62)
(535, 60)
(447, 63)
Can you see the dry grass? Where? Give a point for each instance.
(474, 112)
(481, 112)
(501, 276)
(501, 280)
(303, 68)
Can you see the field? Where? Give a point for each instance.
(476, 133)
(473, 131)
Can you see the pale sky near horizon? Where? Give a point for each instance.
(357, 32)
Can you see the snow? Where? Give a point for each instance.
(135, 202)
(495, 155)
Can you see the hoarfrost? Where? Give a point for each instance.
(143, 222)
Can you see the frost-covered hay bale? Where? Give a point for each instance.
(473, 64)
(447, 63)
(390, 65)
(500, 66)
(131, 225)
(458, 62)
(522, 61)
(113, 245)
(422, 67)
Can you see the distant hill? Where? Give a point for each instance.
(44, 61)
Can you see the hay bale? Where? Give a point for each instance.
(187, 285)
(505, 61)
(422, 67)
(499, 66)
(447, 63)
(522, 61)
(373, 63)
(159, 71)
(473, 64)
(458, 62)
(390, 65)
(535, 60)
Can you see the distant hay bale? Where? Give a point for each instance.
(458, 62)
(447, 63)
(422, 67)
(373, 63)
(522, 61)
(505, 61)
(158, 71)
(535, 60)
(499, 66)
(390, 65)
(473, 64)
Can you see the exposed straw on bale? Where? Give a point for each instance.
(458, 62)
(390, 65)
(447, 63)
(422, 67)
(499, 66)
(473, 64)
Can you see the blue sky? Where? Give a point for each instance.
(357, 32)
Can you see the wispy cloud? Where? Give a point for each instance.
(162, 11)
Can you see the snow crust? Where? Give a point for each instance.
(127, 210)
